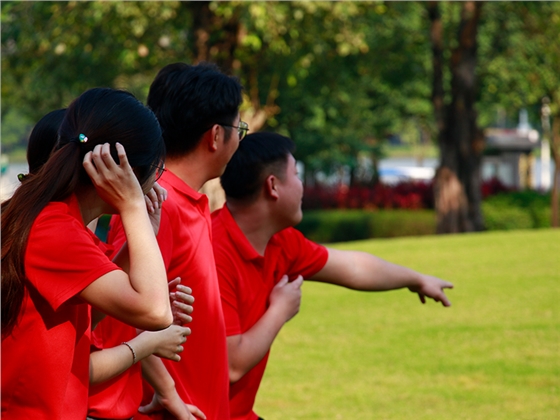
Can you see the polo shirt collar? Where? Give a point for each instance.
(181, 186)
(238, 237)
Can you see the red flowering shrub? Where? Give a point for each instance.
(404, 195)
(493, 186)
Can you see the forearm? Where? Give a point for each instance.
(362, 271)
(246, 350)
(156, 374)
(146, 268)
(107, 363)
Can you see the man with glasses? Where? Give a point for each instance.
(198, 110)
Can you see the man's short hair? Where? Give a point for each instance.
(188, 100)
(259, 155)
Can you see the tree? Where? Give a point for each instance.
(53, 51)
(521, 67)
(457, 181)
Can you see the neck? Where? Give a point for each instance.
(192, 169)
(255, 222)
(91, 205)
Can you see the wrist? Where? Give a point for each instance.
(415, 282)
(166, 389)
(132, 207)
(131, 348)
(280, 312)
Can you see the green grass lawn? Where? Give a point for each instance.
(495, 354)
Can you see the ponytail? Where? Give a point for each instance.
(98, 116)
(55, 181)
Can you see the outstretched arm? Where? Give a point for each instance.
(247, 349)
(362, 271)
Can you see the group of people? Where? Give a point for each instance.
(173, 313)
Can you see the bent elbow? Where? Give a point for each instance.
(157, 319)
(235, 375)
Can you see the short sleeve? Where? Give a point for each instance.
(62, 258)
(305, 257)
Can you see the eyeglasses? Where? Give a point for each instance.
(160, 169)
(242, 129)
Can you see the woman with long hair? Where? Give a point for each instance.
(53, 268)
(115, 371)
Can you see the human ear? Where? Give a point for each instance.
(212, 137)
(271, 187)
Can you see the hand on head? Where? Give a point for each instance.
(116, 184)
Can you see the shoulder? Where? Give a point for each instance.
(57, 223)
(291, 236)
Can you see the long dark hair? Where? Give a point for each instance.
(104, 116)
(43, 138)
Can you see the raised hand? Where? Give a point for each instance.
(154, 201)
(116, 184)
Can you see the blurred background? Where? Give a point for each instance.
(410, 118)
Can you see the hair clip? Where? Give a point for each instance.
(22, 177)
(83, 138)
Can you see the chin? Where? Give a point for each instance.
(298, 218)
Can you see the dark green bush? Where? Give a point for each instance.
(517, 210)
(350, 225)
(505, 211)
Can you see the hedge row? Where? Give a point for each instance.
(505, 211)
(350, 225)
(517, 210)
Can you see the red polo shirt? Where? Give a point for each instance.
(246, 280)
(45, 359)
(202, 375)
(119, 397)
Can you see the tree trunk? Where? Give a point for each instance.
(213, 38)
(457, 181)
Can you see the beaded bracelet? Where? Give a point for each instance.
(132, 350)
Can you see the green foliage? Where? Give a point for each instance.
(337, 77)
(15, 130)
(517, 210)
(506, 211)
(331, 75)
(53, 51)
(347, 225)
(492, 355)
(519, 58)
